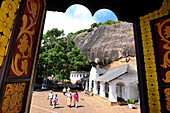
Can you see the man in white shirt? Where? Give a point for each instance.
(50, 96)
(68, 89)
(64, 91)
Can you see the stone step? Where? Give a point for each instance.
(107, 102)
(104, 100)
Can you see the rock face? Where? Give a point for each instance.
(106, 44)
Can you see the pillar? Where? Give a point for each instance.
(95, 90)
(90, 84)
(112, 93)
(86, 87)
(127, 95)
(102, 89)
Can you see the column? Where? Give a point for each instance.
(70, 76)
(86, 87)
(102, 89)
(78, 77)
(112, 93)
(127, 91)
(95, 90)
(90, 84)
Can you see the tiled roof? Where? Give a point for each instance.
(113, 73)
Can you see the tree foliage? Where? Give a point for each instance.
(59, 55)
(93, 25)
(108, 22)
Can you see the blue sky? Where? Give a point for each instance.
(76, 17)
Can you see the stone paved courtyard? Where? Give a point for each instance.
(87, 104)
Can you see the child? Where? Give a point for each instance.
(55, 99)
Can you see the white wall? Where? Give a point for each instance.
(93, 75)
(131, 90)
(134, 92)
(78, 76)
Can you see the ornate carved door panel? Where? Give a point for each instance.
(154, 33)
(21, 26)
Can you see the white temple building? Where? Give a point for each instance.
(78, 75)
(117, 83)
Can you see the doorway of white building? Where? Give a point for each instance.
(120, 91)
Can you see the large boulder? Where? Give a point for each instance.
(106, 44)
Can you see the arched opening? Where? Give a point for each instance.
(107, 89)
(92, 84)
(120, 91)
(84, 20)
(98, 87)
(77, 17)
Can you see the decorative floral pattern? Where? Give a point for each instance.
(35, 57)
(5, 24)
(7, 10)
(167, 97)
(23, 44)
(149, 57)
(13, 98)
(10, 8)
(3, 43)
(21, 58)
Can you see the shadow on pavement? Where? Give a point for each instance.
(77, 106)
(59, 107)
(80, 106)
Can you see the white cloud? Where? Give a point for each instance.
(81, 18)
(81, 10)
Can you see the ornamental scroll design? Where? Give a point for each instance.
(13, 98)
(25, 40)
(164, 33)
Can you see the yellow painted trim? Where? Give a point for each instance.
(149, 57)
(33, 69)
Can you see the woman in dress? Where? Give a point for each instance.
(69, 98)
(76, 98)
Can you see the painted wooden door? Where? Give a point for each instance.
(154, 59)
(21, 24)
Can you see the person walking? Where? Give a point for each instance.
(64, 91)
(50, 97)
(55, 99)
(68, 89)
(69, 98)
(76, 98)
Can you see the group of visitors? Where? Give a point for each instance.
(54, 98)
(69, 97)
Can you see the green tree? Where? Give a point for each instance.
(109, 22)
(59, 55)
(93, 25)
